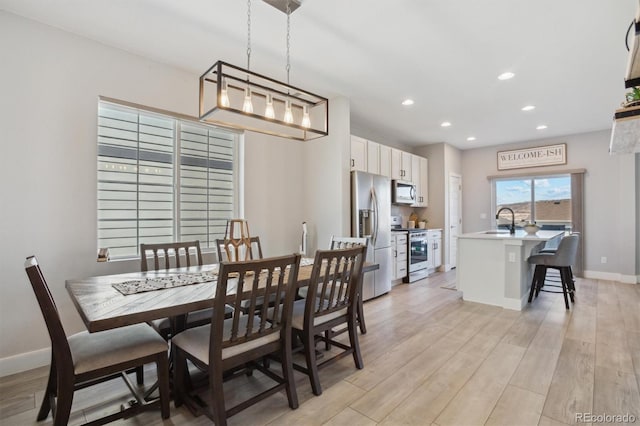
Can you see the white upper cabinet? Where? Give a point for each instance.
(400, 165)
(373, 157)
(358, 154)
(421, 180)
(385, 161)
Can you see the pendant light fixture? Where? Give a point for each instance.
(242, 99)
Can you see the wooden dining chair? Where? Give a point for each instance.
(170, 255)
(226, 344)
(238, 249)
(174, 255)
(348, 242)
(85, 359)
(332, 300)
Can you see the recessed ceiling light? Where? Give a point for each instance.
(541, 127)
(506, 76)
(471, 138)
(445, 124)
(529, 108)
(407, 102)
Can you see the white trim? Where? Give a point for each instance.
(612, 276)
(25, 361)
(515, 304)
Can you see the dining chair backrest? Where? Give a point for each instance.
(246, 284)
(335, 282)
(181, 253)
(346, 242)
(234, 251)
(59, 343)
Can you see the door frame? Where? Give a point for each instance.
(448, 266)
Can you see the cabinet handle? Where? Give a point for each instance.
(353, 164)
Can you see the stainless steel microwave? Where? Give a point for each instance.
(403, 192)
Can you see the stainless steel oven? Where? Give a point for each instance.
(418, 255)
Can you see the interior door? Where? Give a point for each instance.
(455, 217)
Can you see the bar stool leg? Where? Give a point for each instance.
(534, 283)
(542, 276)
(563, 279)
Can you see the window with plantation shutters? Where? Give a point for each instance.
(161, 179)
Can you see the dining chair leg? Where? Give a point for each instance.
(363, 326)
(287, 373)
(355, 345)
(162, 367)
(308, 339)
(63, 404)
(49, 392)
(219, 414)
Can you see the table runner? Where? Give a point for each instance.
(159, 283)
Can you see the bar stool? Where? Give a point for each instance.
(561, 260)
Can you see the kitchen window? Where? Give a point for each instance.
(543, 199)
(162, 178)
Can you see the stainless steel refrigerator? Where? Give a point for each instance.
(371, 218)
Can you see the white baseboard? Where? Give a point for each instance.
(515, 304)
(25, 361)
(612, 276)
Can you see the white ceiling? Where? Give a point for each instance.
(568, 56)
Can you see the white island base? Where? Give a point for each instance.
(492, 266)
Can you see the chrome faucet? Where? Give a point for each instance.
(512, 228)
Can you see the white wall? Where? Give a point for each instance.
(610, 186)
(50, 84)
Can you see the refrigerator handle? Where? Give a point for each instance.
(376, 209)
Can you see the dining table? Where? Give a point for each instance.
(102, 306)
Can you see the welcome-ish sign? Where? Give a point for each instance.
(533, 157)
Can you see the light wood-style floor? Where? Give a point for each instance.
(433, 359)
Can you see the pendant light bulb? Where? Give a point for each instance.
(224, 96)
(306, 121)
(247, 106)
(268, 111)
(288, 116)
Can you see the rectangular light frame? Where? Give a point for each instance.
(237, 80)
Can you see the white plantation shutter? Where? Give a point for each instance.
(138, 170)
(206, 182)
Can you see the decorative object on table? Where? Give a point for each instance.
(103, 255)
(237, 240)
(243, 99)
(531, 228)
(160, 283)
(303, 246)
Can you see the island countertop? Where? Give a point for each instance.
(505, 235)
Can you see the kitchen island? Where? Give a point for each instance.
(492, 265)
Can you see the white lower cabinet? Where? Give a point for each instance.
(434, 244)
(399, 241)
